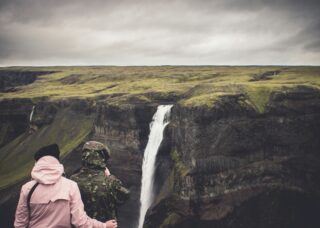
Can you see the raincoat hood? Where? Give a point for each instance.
(47, 170)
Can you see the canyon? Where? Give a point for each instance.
(241, 148)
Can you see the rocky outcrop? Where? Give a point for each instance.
(14, 118)
(10, 79)
(234, 167)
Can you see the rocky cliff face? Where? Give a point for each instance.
(14, 116)
(233, 167)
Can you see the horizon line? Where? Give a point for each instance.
(164, 65)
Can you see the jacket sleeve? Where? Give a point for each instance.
(79, 217)
(22, 215)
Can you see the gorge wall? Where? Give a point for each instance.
(234, 167)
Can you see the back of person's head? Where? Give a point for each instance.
(95, 155)
(50, 150)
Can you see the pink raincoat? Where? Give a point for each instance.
(56, 201)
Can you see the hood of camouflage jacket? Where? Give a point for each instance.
(47, 170)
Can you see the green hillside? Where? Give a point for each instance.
(67, 130)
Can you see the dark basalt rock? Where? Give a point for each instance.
(245, 169)
(9, 79)
(277, 208)
(14, 118)
(265, 76)
(43, 114)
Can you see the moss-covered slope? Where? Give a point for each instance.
(68, 130)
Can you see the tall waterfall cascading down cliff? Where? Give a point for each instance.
(159, 121)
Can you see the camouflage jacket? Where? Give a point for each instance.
(101, 194)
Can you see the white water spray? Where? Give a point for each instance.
(31, 114)
(159, 121)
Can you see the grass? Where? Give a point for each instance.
(171, 219)
(16, 158)
(259, 96)
(180, 168)
(192, 85)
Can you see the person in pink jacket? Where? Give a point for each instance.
(56, 200)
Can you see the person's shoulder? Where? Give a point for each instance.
(72, 185)
(27, 186)
(68, 181)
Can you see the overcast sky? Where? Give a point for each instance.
(159, 32)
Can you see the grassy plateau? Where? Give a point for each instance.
(190, 85)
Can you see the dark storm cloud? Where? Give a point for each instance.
(147, 32)
(312, 34)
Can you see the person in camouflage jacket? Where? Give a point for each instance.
(100, 191)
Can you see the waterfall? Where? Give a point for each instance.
(31, 114)
(159, 121)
